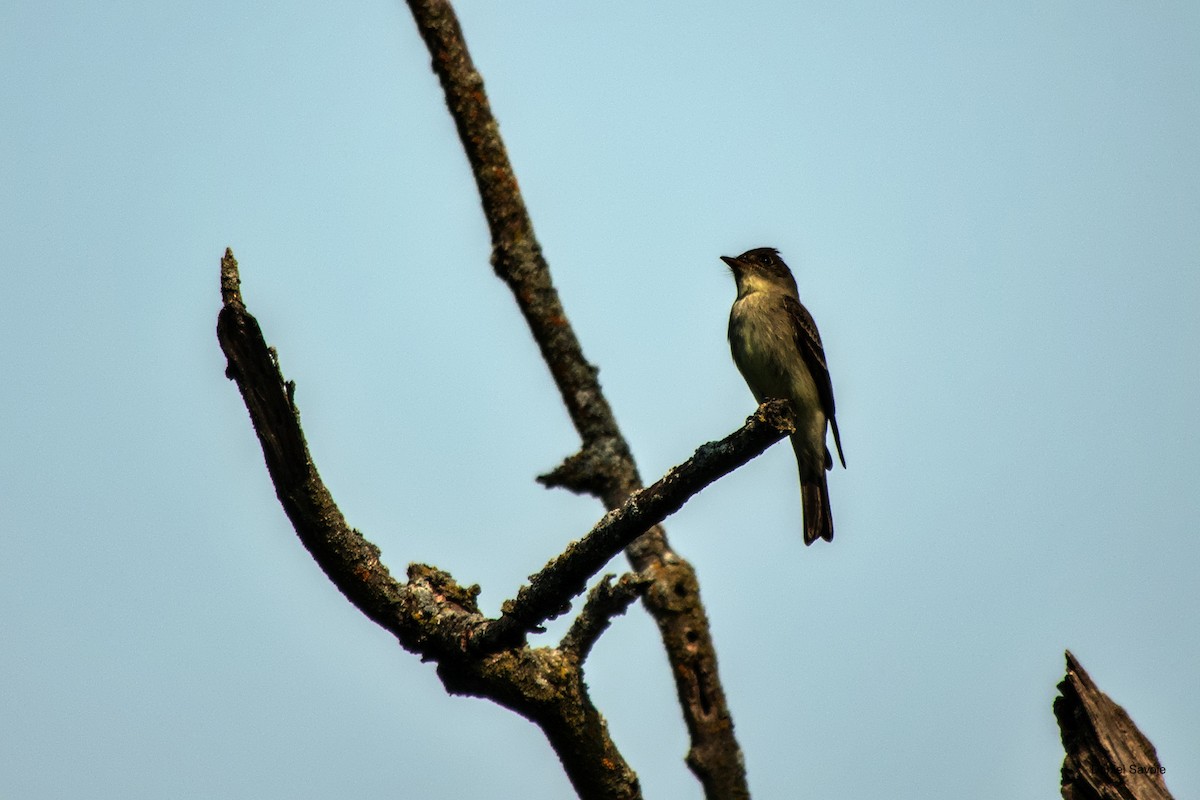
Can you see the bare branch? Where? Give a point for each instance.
(550, 591)
(516, 255)
(350, 561)
(430, 614)
(605, 466)
(604, 602)
(1108, 758)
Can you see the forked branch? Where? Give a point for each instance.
(433, 615)
(603, 466)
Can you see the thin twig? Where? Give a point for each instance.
(604, 602)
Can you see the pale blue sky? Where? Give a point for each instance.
(994, 214)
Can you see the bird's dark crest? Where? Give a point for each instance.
(758, 253)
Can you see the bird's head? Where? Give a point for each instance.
(761, 269)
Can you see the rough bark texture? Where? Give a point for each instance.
(603, 466)
(550, 590)
(430, 614)
(435, 617)
(604, 602)
(1108, 758)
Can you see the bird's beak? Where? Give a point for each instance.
(732, 262)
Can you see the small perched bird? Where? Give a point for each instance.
(777, 349)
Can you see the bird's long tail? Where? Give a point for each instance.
(818, 517)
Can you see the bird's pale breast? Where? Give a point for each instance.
(764, 348)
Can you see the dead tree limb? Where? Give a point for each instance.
(430, 614)
(1108, 758)
(604, 466)
(435, 617)
(551, 589)
(604, 602)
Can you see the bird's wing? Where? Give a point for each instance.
(808, 342)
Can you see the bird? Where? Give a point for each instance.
(776, 347)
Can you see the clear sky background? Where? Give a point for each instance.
(994, 215)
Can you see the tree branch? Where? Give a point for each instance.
(430, 615)
(604, 466)
(1108, 758)
(604, 602)
(549, 592)
(351, 562)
